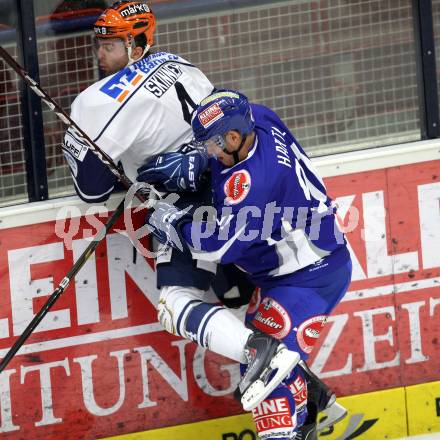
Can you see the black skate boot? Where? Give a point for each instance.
(269, 362)
(321, 399)
(307, 432)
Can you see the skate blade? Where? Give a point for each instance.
(283, 362)
(334, 414)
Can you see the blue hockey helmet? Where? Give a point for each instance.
(220, 112)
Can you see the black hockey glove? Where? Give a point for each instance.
(165, 223)
(174, 172)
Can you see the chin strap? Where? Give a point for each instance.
(130, 59)
(234, 154)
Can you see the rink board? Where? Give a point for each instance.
(100, 365)
(389, 414)
(423, 405)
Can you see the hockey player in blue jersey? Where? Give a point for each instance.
(273, 220)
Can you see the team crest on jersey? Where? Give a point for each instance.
(211, 114)
(309, 331)
(272, 318)
(237, 187)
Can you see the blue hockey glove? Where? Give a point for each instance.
(174, 172)
(165, 223)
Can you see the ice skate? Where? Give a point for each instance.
(307, 432)
(324, 399)
(269, 362)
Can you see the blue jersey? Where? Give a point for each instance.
(274, 219)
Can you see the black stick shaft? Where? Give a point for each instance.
(62, 286)
(57, 109)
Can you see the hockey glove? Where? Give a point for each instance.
(165, 223)
(174, 172)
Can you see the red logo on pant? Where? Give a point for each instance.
(309, 331)
(272, 318)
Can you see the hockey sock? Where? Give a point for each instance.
(219, 330)
(209, 325)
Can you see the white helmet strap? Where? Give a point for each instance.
(129, 46)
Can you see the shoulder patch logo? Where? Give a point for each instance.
(237, 187)
(122, 84)
(211, 114)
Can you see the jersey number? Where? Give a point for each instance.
(295, 249)
(185, 102)
(302, 163)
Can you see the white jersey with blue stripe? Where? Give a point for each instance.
(143, 110)
(274, 218)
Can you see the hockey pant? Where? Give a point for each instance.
(296, 315)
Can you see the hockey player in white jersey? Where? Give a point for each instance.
(142, 108)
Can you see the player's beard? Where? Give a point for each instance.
(110, 69)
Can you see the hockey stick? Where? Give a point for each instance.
(62, 286)
(104, 157)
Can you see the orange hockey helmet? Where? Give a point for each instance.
(126, 20)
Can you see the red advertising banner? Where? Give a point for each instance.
(385, 333)
(100, 364)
